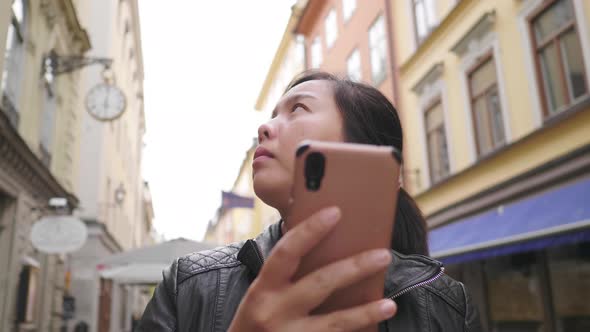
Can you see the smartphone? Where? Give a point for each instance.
(361, 179)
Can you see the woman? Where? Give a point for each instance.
(248, 287)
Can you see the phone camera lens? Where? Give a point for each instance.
(314, 170)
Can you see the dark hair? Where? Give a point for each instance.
(370, 118)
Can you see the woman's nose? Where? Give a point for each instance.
(265, 131)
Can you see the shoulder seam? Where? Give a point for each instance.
(209, 269)
(447, 299)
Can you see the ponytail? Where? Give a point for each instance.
(410, 235)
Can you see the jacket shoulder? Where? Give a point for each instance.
(203, 261)
(457, 296)
(450, 291)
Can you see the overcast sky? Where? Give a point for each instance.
(204, 62)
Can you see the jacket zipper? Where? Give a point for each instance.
(420, 284)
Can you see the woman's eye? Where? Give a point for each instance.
(297, 107)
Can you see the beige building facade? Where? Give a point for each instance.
(115, 202)
(39, 142)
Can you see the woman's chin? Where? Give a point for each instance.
(272, 191)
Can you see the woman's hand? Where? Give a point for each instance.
(275, 303)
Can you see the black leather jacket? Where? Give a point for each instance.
(201, 291)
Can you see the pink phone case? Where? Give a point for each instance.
(363, 180)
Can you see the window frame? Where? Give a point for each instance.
(360, 64)
(28, 289)
(429, 27)
(482, 60)
(11, 100)
(48, 112)
(378, 80)
(434, 102)
(351, 14)
(317, 40)
(331, 14)
(554, 38)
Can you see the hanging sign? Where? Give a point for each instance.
(58, 234)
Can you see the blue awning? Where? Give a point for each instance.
(554, 217)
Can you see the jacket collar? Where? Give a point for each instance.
(404, 272)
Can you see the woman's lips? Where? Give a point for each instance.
(262, 153)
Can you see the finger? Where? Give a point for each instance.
(357, 317)
(314, 288)
(284, 259)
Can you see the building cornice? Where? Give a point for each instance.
(288, 37)
(309, 13)
(574, 164)
(24, 166)
(440, 31)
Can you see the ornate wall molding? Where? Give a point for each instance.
(23, 165)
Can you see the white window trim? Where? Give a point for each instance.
(321, 48)
(583, 34)
(414, 28)
(427, 90)
(470, 58)
(344, 18)
(336, 32)
(376, 45)
(360, 63)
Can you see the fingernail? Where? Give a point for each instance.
(381, 256)
(388, 307)
(330, 216)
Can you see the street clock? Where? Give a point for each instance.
(105, 102)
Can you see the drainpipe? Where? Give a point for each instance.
(392, 59)
(394, 69)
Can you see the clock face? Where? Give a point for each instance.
(105, 102)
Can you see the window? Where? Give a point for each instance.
(353, 65)
(299, 50)
(14, 58)
(488, 124)
(515, 299)
(558, 56)
(569, 268)
(27, 294)
(316, 53)
(438, 156)
(378, 50)
(47, 123)
(424, 18)
(331, 26)
(348, 8)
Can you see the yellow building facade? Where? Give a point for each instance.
(495, 101)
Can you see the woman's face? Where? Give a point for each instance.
(307, 111)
